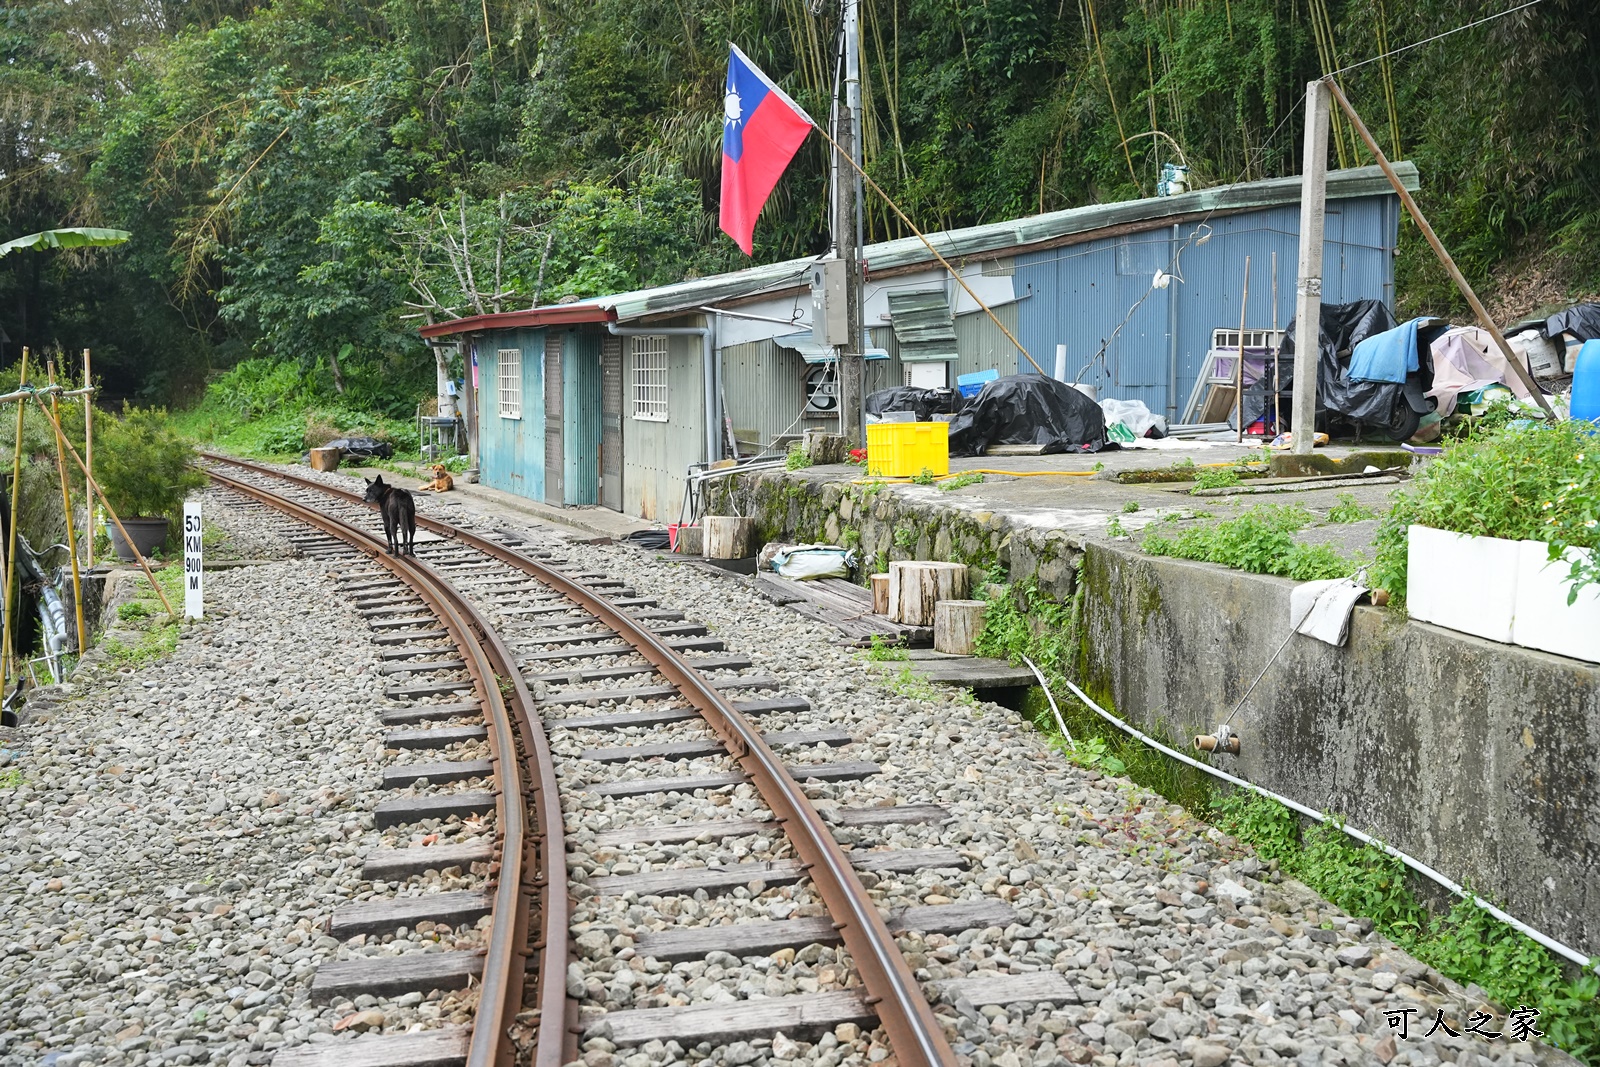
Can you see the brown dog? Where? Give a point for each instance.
(442, 482)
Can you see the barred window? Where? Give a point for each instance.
(650, 378)
(509, 381)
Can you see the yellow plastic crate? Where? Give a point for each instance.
(906, 449)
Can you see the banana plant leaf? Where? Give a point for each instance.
(69, 237)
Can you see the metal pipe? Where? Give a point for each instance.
(1172, 336)
(1417, 865)
(707, 370)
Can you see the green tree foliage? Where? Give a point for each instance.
(308, 179)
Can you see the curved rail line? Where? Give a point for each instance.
(914, 1033)
(512, 731)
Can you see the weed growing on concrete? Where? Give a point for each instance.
(924, 477)
(882, 650)
(1129, 507)
(1216, 478)
(1467, 944)
(1114, 527)
(961, 481)
(905, 537)
(1260, 540)
(798, 458)
(1349, 509)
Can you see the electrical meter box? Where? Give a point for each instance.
(829, 317)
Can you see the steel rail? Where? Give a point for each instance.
(915, 1034)
(491, 665)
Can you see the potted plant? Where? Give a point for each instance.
(145, 470)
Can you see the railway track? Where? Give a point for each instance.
(484, 628)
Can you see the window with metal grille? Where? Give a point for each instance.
(1224, 338)
(508, 380)
(650, 378)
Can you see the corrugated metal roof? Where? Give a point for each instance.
(987, 239)
(923, 324)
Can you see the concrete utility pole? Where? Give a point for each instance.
(1308, 289)
(846, 232)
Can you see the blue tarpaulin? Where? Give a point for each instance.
(1386, 357)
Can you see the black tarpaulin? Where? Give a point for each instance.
(1582, 321)
(1029, 409)
(924, 403)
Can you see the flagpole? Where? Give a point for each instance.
(929, 245)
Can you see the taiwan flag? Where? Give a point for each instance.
(761, 131)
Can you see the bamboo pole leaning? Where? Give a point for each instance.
(94, 487)
(72, 530)
(1238, 392)
(7, 628)
(88, 449)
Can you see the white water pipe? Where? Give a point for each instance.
(1417, 865)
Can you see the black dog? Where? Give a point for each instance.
(399, 514)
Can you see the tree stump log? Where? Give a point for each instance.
(915, 587)
(956, 625)
(691, 540)
(326, 459)
(880, 594)
(729, 537)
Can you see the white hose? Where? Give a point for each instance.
(1417, 865)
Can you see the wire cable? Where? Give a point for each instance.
(1435, 37)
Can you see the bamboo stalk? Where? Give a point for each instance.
(7, 630)
(1478, 309)
(921, 237)
(72, 530)
(88, 451)
(95, 488)
(1238, 391)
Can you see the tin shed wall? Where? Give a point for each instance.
(580, 417)
(763, 387)
(1080, 294)
(511, 451)
(656, 455)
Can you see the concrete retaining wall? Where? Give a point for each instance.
(1480, 759)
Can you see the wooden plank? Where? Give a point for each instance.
(765, 938)
(906, 859)
(389, 914)
(972, 672)
(404, 810)
(444, 1047)
(429, 713)
(645, 786)
(652, 692)
(437, 773)
(663, 715)
(676, 750)
(689, 879)
(1015, 450)
(409, 605)
(423, 666)
(363, 586)
(401, 624)
(682, 629)
(807, 1015)
(402, 638)
(626, 670)
(842, 605)
(1004, 989)
(398, 864)
(439, 737)
(889, 816)
(843, 771)
(412, 690)
(679, 833)
(694, 644)
(410, 651)
(393, 976)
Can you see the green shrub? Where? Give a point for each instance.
(1261, 541)
(1348, 509)
(1534, 482)
(1216, 478)
(142, 465)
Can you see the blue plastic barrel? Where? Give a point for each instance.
(1586, 382)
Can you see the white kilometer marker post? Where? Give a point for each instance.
(193, 575)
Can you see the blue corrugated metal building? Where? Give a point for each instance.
(612, 413)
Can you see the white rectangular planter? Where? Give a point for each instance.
(1505, 591)
(1544, 620)
(1463, 582)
